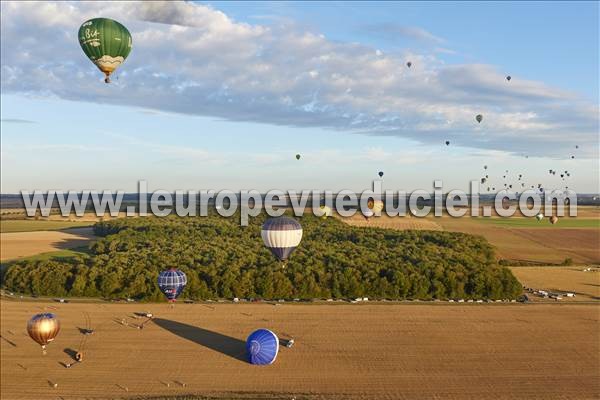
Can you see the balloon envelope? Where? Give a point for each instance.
(539, 217)
(106, 43)
(380, 174)
(262, 347)
(327, 212)
(553, 219)
(281, 235)
(479, 118)
(43, 328)
(171, 282)
(297, 156)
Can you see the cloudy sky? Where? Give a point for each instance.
(224, 94)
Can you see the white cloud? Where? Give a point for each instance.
(189, 58)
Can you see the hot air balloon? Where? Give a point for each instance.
(171, 282)
(43, 328)
(482, 181)
(375, 205)
(447, 143)
(106, 43)
(281, 235)
(409, 64)
(576, 146)
(380, 174)
(327, 212)
(262, 347)
(553, 219)
(508, 78)
(485, 167)
(572, 157)
(479, 118)
(297, 156)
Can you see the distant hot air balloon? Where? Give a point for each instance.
(447, 143)
(482, 180)
(572, 157)
(327, 212)
(297, 156)
(375, 205)
(281, 235)
(380, 174)
(172, 282)
(485, 167)
(553, 219)
(262, 347)
(479, 118)
(576, 146)
(106, 43)
(508, 78)
(409, 64)
(43, 328)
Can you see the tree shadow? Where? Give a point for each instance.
(227, 345)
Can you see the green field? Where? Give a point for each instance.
(27, 225)
(533, 223)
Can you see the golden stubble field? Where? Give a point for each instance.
(584, 284)
(24, 244)
(368, 351)
(542, 243)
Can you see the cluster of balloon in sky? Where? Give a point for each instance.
(107, 43)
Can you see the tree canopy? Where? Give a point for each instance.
(223, 260)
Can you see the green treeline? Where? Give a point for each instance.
(223, 260)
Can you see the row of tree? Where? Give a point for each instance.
(223, 260)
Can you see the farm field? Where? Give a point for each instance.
(585, 284)
(516, 238)
(25, 244)
(26, 225)
(411, 351)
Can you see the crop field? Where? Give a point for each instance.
(516, 238)
(368, 351)
(26, 225)
(584, 284)
(25, 244)
(384, 221)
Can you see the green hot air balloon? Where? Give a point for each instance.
(297, 156)
(106, 43)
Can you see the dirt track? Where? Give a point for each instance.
(411, 351)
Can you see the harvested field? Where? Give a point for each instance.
(369, 351)
(26, 244)
(387, 222)
(29, 225)
(516, 238)
(585, 285)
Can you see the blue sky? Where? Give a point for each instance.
(224, 94)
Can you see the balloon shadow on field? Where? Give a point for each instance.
(224, 344)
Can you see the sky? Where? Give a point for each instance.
(223, 95)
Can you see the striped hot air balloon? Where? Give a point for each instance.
(171, 282)
(43, 328)
(281, 235)
(262, 347)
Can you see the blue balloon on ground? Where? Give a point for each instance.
(171, 282)
(262, 346)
